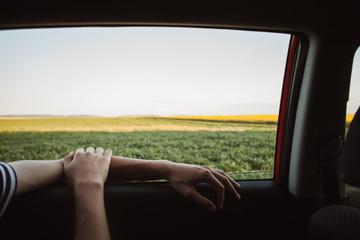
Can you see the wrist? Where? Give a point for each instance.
(62, 175)
(84, 187)
(166, 168)
(87, 195)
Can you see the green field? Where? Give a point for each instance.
(244, 150)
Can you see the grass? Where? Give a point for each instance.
(233, 152)
(242, 146)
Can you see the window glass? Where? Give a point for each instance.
(192, 95)
(354, 93)
(352, 106)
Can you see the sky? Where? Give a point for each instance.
(141, 71)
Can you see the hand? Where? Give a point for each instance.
(184, 178)
(90, 167)
(86, 173)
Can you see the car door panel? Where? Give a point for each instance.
(150, 210)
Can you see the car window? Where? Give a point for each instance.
(192, 95)
(354, 93)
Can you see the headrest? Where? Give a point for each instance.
(349, 167)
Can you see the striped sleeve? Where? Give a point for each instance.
(7, 186)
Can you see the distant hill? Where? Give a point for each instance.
(43, 116)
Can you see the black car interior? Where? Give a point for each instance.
(337, 221)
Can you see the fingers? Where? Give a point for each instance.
(220, 182)
(90, 149)
(81, 150)
(68, 158)
(202, 201)
(228, 183)
(233, 182)
(226, 180)
(217, 186)
(108, 153)
(186, 177)
(99, 151)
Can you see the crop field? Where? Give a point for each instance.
(131, 124)
(244, 148)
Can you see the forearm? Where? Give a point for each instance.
(91, 222)
(33, 174)
(129, 169)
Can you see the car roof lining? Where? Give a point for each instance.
(287, 16)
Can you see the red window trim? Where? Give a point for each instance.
(284, 103)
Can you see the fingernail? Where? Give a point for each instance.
(212, 208)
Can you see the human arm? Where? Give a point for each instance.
(182, 177)
(35, 174)
(86, 174)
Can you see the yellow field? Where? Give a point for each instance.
(131, 124)
(245, 118)
(349, 118)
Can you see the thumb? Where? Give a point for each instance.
(68, 158)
